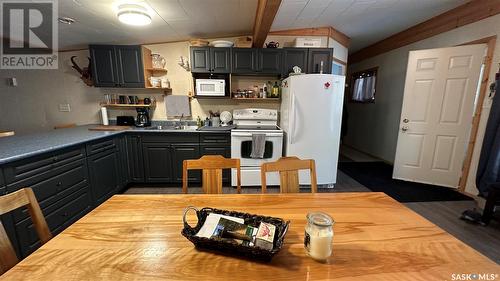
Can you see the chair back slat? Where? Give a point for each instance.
(288, 168)
(8, 256)
(212, 166)
(10, 202)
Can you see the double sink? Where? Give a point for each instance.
(172, 128)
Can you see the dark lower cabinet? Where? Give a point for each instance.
(122, 155)
(320, 56)
(135, 159)
(183, 152)
(104, 170)
(157, 162)
(224, 150)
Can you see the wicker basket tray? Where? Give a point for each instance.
(233, 248)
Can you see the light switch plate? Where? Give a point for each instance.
(12, 81)
(64, 107)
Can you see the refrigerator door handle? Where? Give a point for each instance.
(293, 121)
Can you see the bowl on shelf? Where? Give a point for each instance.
(222, 43)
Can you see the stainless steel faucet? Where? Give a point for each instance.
(179, 126)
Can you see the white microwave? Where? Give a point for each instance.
(211, 87)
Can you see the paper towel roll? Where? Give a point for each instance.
(104, 116)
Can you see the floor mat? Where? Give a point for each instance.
(377, 176)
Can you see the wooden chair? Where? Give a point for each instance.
(212, 166)
(7, 134)
(10, 202)
(289, 167)
(64, 126)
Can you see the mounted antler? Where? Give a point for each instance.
(86, 73)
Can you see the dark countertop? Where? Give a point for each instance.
(22, 146)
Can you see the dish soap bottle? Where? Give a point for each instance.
(198, 122)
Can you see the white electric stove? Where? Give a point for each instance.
(249, 122)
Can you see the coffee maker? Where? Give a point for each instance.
(143, 119)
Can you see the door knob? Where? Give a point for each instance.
(404, 129)
(406, 120)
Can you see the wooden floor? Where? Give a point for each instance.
(486, 240)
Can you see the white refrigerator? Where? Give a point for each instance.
(311, 117)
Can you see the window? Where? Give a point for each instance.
(363, 86)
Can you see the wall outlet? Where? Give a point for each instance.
(64, 107)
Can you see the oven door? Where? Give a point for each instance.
(241, 148)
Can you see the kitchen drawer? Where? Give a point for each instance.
(37, 165)
(102, 145)
(49, 191)
(171, 138)
(215, 138)
(69, 210)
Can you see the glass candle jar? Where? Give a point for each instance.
(318, 238)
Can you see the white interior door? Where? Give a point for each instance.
(436, 117)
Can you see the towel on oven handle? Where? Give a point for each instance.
(258, 146)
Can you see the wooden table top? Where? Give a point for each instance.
(137, 237)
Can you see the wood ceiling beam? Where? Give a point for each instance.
(329, 31)
(468, 13)
(266, 12)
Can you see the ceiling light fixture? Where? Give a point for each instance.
(133, 14)
(66, 20)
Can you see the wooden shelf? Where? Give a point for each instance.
(212, 98)
(156, 70)
(157, 88)
(125, 106)
(258, 99)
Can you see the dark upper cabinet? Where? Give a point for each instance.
(210, 60)
(270, 61)
(130, 67)
(244, 60)
(157, 162)
(117, 66)
(294, 57)
(318, 56)
(104, 67)
(200, 59)
(181, 152)
(104, 170)
(220, 60)
(135, 159)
